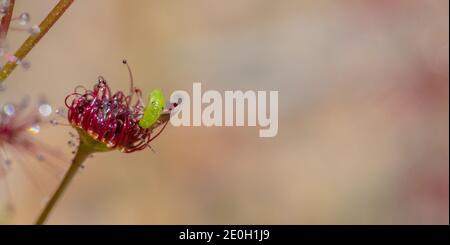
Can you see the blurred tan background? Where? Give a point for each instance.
(363, 122)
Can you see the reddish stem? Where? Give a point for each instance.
(6, 20)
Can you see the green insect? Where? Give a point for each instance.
(153, 109)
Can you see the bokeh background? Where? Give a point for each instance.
(363, 111)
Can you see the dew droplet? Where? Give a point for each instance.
(5, 3)
(60, 111)
(45, 109)
(25, 64)
(9, 109)
(35, 128)
(34, 30)
(24, 18)
(10, 58)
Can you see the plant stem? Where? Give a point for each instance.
(6, 20)
(33, 39)
(82, 153)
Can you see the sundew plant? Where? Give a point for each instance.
(105, 120)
